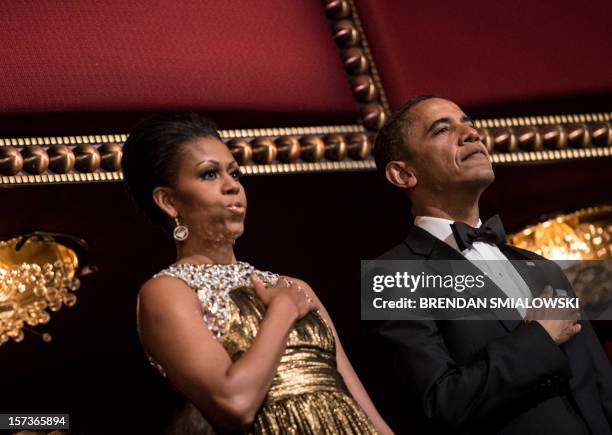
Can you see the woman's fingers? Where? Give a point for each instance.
(262, 291)
(295, 290)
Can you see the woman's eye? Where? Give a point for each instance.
(211, 174)
(236, 173)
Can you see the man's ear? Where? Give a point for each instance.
(164, 200)
(401, 174)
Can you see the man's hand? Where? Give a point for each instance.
(560, 323)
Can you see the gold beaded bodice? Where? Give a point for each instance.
(307, 394)
(213, 284)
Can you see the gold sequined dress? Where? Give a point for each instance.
(308, 395)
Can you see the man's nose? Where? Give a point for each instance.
(469, 135)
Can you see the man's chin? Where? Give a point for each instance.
(488, 176)
(482, 179)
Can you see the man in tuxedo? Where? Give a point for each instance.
(504, 376)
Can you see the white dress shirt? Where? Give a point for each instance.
(502, 273)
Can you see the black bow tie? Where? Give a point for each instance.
(491, 231)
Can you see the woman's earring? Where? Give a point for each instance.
(181, 232)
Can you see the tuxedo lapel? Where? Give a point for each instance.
(422, 243)
(527, 267)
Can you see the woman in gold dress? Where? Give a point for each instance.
(254, 352)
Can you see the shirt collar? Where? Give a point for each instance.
(439, 228)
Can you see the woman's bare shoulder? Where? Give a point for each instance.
(166, 293)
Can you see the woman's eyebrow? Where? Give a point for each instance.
(207, 161)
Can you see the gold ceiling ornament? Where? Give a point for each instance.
(38, 274)
(358, 62)
(583, 235)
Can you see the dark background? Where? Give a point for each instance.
(71, 68)
(313, 226)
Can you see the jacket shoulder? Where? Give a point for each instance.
(400, 251)
(526, 253)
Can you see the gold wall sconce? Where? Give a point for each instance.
(39, 273)
(583, 235)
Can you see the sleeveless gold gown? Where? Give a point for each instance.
(308, 395)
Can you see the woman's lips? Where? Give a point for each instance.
(236, 208)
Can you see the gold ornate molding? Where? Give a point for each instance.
(548, 138)
(358, 62)
(97, 158)
(542, 120)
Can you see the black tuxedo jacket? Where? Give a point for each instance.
(487, 377)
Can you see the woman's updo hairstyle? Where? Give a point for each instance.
(152, 153)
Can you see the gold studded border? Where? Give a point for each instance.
(225, 134)
(63, 140)
(358, 62)
(550, 156)
(280, 168)
(294, 168)
(543, 120)
(368, 53)
(97, 158)
(76, 177)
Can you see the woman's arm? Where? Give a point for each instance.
(174, 334)
(351, 379)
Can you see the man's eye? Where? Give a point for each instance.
(441, 130)
(211, 174)
(236, 173)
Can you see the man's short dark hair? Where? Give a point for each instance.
(390, 143)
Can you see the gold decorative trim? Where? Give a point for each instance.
(543, 120)
(62, 140)
(61, 178)
(358, 62)
(291, 131)
(225, 134)
(280, 168)
(96, 158)
(324, 166)
(292, 168)
(370, 57)
(550, 156)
